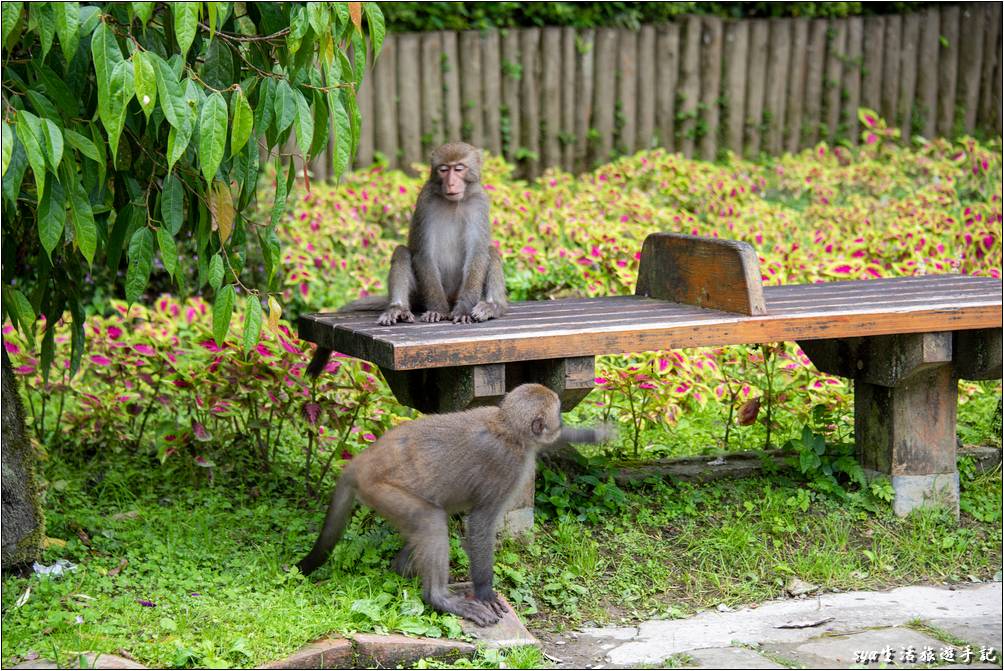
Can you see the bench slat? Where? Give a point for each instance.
(610, 325)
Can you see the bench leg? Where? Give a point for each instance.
(908, 433)
(905, 395)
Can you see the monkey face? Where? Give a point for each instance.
(452, 180)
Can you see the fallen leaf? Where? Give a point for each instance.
(23, 599)
(50, 542)
(118, 569)
(803, 624)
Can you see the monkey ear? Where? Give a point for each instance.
(537, 426)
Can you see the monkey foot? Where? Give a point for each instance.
(464, 318)
(475, 611)
(392, 315)
(484, 311)
(494, 604)
(433, 316)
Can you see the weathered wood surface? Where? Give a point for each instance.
(908, 76)
(470, 88)
(948, 69)
(711, 82)
(491, 70)
(627, 92)
(667, 46)
(735, 56)
(409, 100)
(591, 326)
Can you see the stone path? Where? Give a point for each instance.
(860, 629)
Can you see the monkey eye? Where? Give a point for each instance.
(460, 167)
(443, 169)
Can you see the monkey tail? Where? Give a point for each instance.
(366, 304)
(339, 511)
(320, 360)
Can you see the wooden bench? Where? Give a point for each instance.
(904, 341)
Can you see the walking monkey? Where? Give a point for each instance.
(419, 473)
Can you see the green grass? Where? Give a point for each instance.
(210, 553)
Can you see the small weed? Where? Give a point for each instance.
(937, 632)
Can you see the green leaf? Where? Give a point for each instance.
(53, 143)
(51, 217)
(223, 308)
(212, 135)
(303, 123)
(172, 204)
(298, 27)
(41, 13)
(84, 228)
(319, 143)
(285, 106)
(342, 134)
(217, 70)
(264, 111)
(271, 251)
(140, 264)
(252, 322)
(211, 11)
(143, 11)
(374, 18)
(7, 146)
(177, 143)
(56, 89)
(29, 131)
(145, 78)
(279, 204)
(216, 272)
(67, 16)
(20, 308)
(172, 95)
(358, 59)
(10, 12)
(168, 251)
(318, 16)
(243, 121)
(106, 54)
(114, 112)
(81, 144)
(186, 22)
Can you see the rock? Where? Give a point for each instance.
(509, 632)
(797, 587)
(722, 608)
(326, 653)
(374, 650)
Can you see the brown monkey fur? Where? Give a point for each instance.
(449, 269)
(421, 472)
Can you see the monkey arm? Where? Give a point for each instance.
(582, 435)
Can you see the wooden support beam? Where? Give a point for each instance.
(905, 397)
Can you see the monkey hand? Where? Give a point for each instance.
(394, 314)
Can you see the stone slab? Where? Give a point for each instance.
(387, 651)
(325, 653)
(93, 661)
(660, 639)
(509, 632)
(975, 631)
(731, 658)
(840, 652)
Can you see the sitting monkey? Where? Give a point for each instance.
(419, 473)
(449, 269)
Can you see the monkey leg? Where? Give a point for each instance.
(480, 547)
(400, 287)
(401, 564)
(424, 527)
(494, 303)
